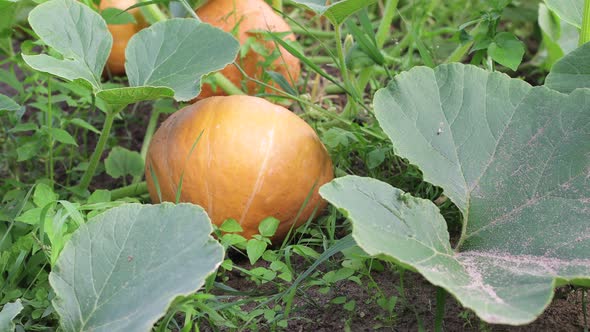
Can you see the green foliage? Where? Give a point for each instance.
(117, 16)
(336, 12)
(513, 224)
(571, 72)
(154, 54)
(568, 10)
(502, 47)
(506, 50)
(114, 274)
(122, 162)
(46, 149)
(7, 104)
(8, 313)
(156, 67)
(84, 48)
(559, 37)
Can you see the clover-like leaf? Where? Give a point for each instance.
(176, 54)
(570, 11)
(78, 33)
(8, 313)
(513, 158)
(121, 270)
(571, 72)
(338, 11)
(507, 50)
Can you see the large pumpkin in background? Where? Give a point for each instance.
(251, 159)
(243, 18)
(122, 33)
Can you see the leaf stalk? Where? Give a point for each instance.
(100, 146)
(441, 296)
(585, 32)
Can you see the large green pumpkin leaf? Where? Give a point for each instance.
(78, 33)
(514, 159)
(338, 11)
(571, 72)
(176, 54)
(8, 313)
(120, 271)
(570, 11)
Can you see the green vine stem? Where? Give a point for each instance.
(340, 52)
(102, 142)
(227, 85)
(153, 13)
(49, 124)
(149, 133)
(278, 5)
(585, 32)
(133, 190)
(316, 33)
(350, 110)
(441, 296)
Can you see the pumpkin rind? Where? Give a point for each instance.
(251, 160)
(122, 33)
(244, 17)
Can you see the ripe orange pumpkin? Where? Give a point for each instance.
(252, 160)
(244, 17)
(122, 33)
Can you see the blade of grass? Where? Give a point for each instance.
(383, 31)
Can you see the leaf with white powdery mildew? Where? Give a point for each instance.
(513, 158)
(121, 270)
(176, 54)
(78, 33)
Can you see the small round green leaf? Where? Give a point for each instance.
(507, 50)
(268, 226)
(255, 248)
(122, 162)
